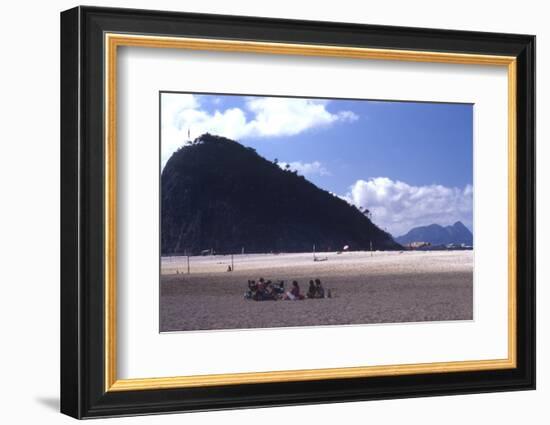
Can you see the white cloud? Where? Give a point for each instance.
(398, 207)
(286, 117)
(261, 117)
(306, 168)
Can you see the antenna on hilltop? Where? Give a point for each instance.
(189, 134)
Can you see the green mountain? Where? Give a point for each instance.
(217, 194)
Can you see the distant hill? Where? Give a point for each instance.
(217, 194)
(438, 235)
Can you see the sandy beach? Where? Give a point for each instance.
(378, 287)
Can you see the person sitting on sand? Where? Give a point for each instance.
(261, 285)
(319, 290)
(280, 289)
(264, 291)
(270, 293)
(294, 293)
(251, 291)
(260, 289)
(311, 290)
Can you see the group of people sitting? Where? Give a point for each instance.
(265, 290)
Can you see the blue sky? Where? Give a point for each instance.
(410, 163)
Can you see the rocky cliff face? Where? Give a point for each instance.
(217, 194)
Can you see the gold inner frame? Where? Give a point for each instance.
(113, 41)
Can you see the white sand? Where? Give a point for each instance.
(368, 288)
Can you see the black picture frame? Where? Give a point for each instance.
(83, 392)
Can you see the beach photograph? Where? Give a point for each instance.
(292, 211)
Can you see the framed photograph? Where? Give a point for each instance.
(261, 212)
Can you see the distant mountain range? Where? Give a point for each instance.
(219, 195)
(438, 235)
